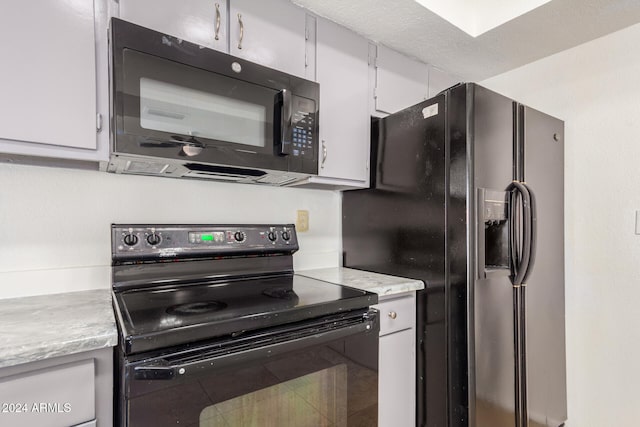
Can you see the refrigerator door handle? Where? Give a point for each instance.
(514, 253)
(520, 262)
(521, 267)
(534, 233)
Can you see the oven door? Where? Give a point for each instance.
(318, 373)
(176, 100)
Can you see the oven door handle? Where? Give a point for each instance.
(160, 369)
(154, 372)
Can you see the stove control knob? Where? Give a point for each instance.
(272, 236)
(286, 236)
(239, 236)
(130, 239)
(153, 239)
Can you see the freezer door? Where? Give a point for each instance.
(490, 316)
(543, 154)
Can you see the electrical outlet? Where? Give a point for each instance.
(302, 223)
(637, 222)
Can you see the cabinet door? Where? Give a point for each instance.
(270, 33)
(400, 81)
(440, 80)
(397, 380)
(48, 77)
(57, 396)
(199, 21)
(342, 71)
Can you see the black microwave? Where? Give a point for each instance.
(182, 110)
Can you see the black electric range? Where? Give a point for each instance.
(216, 329)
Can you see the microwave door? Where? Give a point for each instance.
(175, 110)
(184, 104)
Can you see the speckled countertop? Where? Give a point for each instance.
(381, 284)
(45, 326)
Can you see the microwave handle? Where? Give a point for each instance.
(283, 126)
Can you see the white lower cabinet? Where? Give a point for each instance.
(64, 391)
(397, 361)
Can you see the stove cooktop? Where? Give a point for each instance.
(160, 317)
(182, 284)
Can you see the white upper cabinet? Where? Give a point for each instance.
(440, 80)
(400, 81)
(342, 72)
(203, 22)
(48, 77)
(270, 33)
(55, 83)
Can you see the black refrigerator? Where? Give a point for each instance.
(467, 194)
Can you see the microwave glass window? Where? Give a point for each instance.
(162, 99)
(176, 109)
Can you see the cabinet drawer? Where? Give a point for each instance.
(58, 396)
(397, 314)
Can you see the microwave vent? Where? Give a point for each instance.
(276, 179)
(134, 166)
(224, 170)
(214, 176)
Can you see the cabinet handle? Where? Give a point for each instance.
(241, 31)
(393, 314)
(217, 21)
(324, 154)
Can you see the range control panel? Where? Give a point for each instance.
(142, 241)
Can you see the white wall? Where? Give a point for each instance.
(55, 223)
(595, 88)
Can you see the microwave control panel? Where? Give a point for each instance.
(303, 126)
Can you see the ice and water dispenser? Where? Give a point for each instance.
(493, 233)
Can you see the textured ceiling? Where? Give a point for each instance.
(409, 28)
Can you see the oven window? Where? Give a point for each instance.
(334, 384)
(181, 110)
(316, 399)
